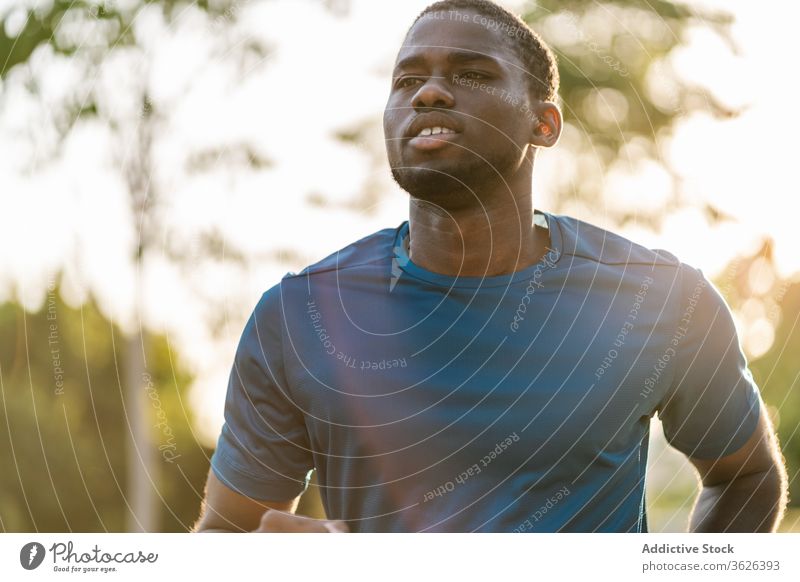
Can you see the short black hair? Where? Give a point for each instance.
(536, 56)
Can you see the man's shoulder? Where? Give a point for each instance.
(371, 249)
(626, 259)
(584, 240)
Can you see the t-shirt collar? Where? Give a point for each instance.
(401, 259)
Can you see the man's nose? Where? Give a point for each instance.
(433, 93)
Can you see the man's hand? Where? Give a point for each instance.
(275, 521)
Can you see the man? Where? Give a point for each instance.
(486, 367)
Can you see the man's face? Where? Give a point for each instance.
(456, 74)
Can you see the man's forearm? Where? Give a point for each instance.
(750, 503)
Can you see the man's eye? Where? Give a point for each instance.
(474, 75)
(408, 82)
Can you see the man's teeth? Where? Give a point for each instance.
(434, 131)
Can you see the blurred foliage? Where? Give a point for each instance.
(44, 24)
(759, 297)
(91, 32)
(618, 89)
(778, 375)
(62, 453)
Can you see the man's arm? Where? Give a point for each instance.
(745, 491)
(226, 511)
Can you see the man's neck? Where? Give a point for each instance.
(485, 241)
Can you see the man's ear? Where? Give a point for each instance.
(547, 129)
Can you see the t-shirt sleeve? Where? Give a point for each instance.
(713, 404)
(263, 450)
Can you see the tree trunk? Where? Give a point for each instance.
(140, 453)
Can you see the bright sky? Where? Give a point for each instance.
(73, 211)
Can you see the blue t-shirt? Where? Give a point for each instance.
(512, 403)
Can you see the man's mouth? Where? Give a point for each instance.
(432, 130)
(433, 138)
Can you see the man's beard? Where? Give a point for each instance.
(456, 187)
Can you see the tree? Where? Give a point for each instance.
(63, 423)
(620, 96)
(135, 124)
